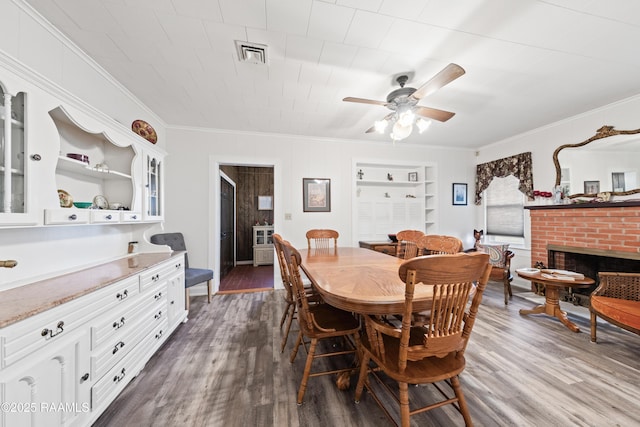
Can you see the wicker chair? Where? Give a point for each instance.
(500, 258)
(407, 247)
(318, 322)
(433, 353)
(617, 300)
(322, 240)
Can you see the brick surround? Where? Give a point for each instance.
(609, 227)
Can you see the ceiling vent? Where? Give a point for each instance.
(253, 53)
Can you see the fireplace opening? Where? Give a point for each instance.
(589, 262)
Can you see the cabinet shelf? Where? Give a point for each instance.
(387, 183)
(76, 166)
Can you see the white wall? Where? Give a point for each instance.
(194, 156)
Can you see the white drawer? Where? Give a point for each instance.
(99, 216)
(27, 336)
(126, 369)
(128, 216)
(66, 216)
(160, 273)
(116, 323)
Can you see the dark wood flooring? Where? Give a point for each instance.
(247, 277)
(224, 368)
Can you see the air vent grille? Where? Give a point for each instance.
(253, 53)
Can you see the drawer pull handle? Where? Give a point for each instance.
(158, 296)
(155, 277)
(159, 315)
(134, 216)
(73, 217)
(120, 377)
(108, 217)
(84, 377)
(118, 325)
(118, 347)
(50, 333)
(123, 295)
(159, 334)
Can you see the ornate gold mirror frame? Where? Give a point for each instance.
(603, 132)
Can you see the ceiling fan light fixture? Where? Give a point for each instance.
(400, 131)
(406, 118)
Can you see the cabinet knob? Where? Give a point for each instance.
(84, 377)
(36, 157)
(73, 217)
(123, 295)
(108, 217)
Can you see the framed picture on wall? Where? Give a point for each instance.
(265, 203)
(413, 176)
(459, 193)
(316, 194)
(591, 187)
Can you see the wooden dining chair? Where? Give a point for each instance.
(433, 353)
(318, 322)
(500, 258)
(322, 240)
(407, 247)
(434, 244)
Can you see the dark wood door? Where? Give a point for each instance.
(227, 232)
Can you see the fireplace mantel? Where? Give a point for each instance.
(588, 205)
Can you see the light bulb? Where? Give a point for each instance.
(380, 126)
(423, 124)
(406, 118)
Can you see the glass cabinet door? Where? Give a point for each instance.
(12, 153)
(153, 187)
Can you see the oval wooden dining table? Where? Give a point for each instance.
(361, 281)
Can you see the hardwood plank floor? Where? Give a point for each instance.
(224, 368)
(247, 277)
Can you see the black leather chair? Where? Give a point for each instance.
(192, 276)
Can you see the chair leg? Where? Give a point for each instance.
(593, 326)
(307, 370)
(294, 352)
(186, 299)
(507, 289)
(292, 308)
(364, 371)
(404, 404)
(462, 403)
(209, 287)
(284, 314)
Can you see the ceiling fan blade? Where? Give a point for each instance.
(433, 113)
(443, 78)
(365, 101)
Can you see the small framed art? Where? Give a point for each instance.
(413, 177)
(316, 194)
(265, 203)
(591, 187)
(459, 193)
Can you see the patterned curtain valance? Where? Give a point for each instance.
(519, 166)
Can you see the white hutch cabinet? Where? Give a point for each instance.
(262, 245)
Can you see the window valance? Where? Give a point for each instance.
(519, 166)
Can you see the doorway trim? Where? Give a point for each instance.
(235, 205)
(214, 204)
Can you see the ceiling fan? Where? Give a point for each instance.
(403, 103)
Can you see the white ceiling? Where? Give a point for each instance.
(528, 62)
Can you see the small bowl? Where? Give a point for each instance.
(80, 157)
(393, 238)
(82, 205)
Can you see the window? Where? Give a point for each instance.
(504, 213)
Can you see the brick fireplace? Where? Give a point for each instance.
(587, 238)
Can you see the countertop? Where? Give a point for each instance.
(25, 301)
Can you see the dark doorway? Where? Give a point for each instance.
(227, 227)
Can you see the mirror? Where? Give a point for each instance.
(605, 163)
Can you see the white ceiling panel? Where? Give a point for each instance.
(528, 62)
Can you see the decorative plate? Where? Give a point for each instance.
(101, 202)
(66, 201)
(145, 130)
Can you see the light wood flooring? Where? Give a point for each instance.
(224, 368)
